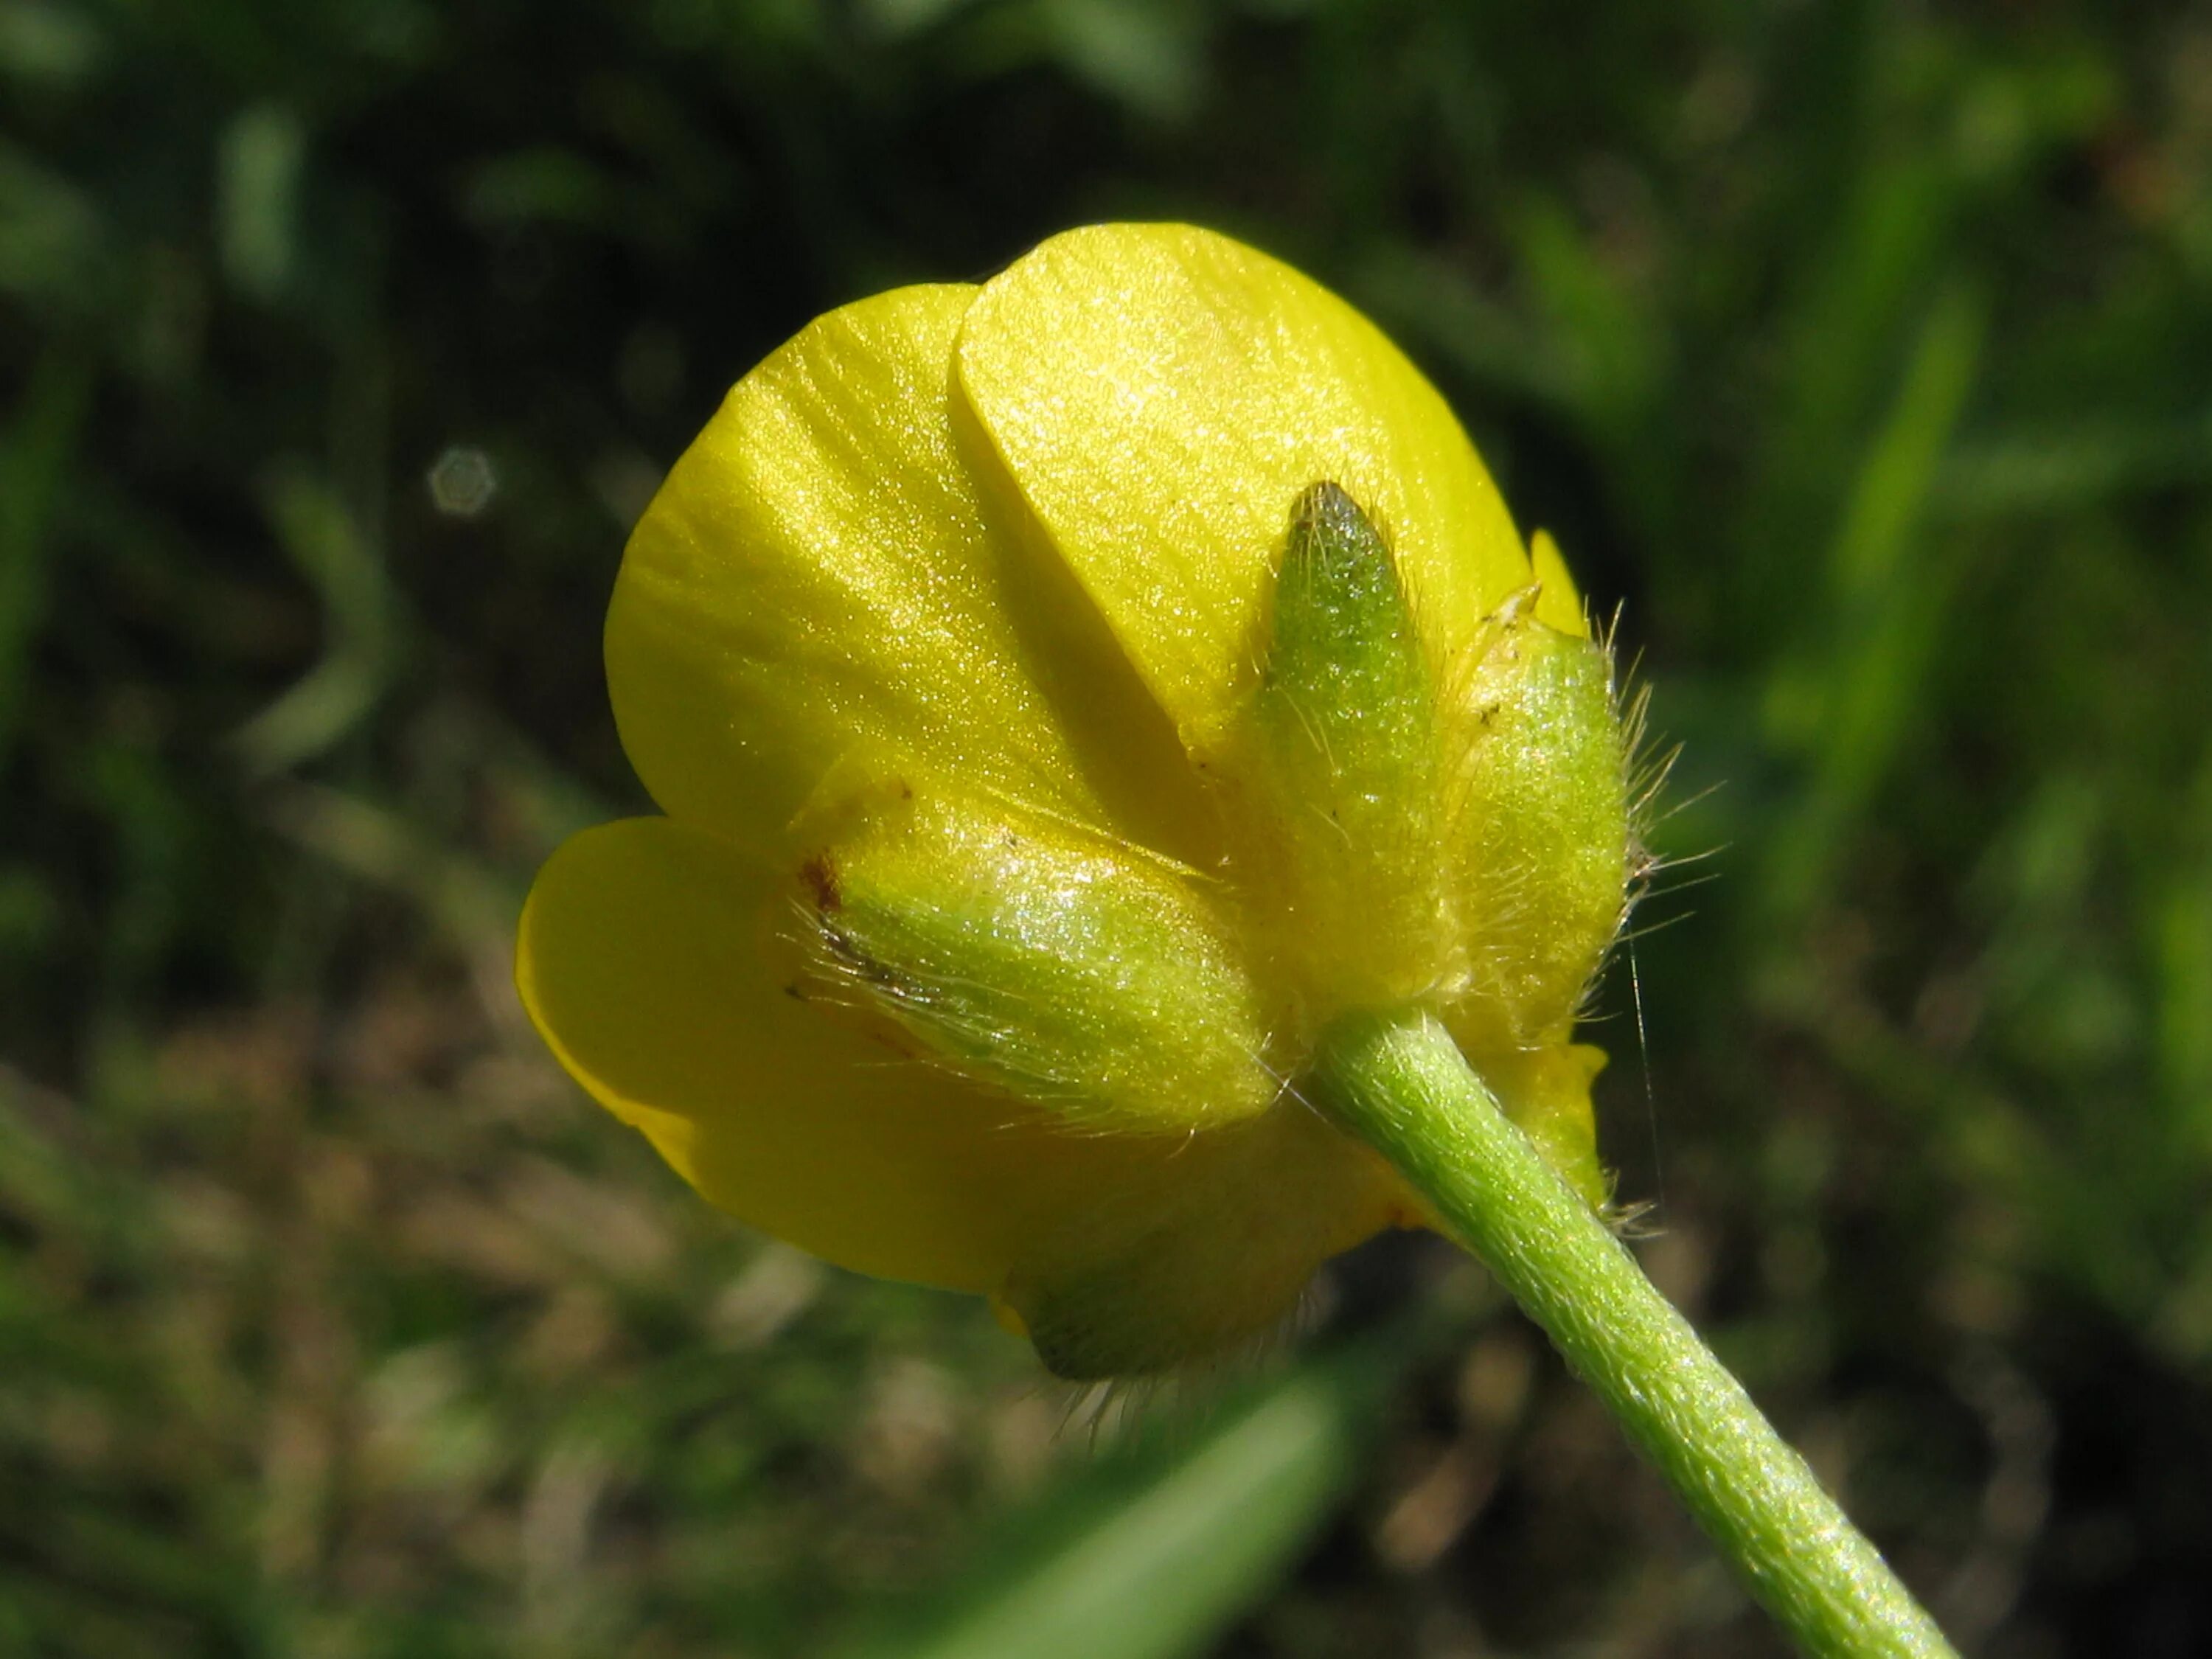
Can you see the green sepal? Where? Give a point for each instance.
(1344, 758)
(1083, 976)
(1543, 842)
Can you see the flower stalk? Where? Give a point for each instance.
(1402, 1086)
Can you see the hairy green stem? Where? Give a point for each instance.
(1402, 1086)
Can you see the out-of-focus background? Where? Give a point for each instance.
(1861, 353)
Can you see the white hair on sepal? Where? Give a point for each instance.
(1649, 764)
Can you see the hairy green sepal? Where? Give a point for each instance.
(1344, 756)
(1543, 841)
(1084, 977)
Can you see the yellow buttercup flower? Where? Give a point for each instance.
(1067, 695)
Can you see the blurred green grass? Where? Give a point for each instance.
(1862, 353)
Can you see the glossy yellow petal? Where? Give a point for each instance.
(822, 582)
(1161, 396)
(647, 960)
(1558, 605)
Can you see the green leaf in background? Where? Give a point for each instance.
(1850, 706)
(35, 454)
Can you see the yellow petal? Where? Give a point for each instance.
(1558, 605)
(646, 961)
(1161, 396)
(822, 581)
